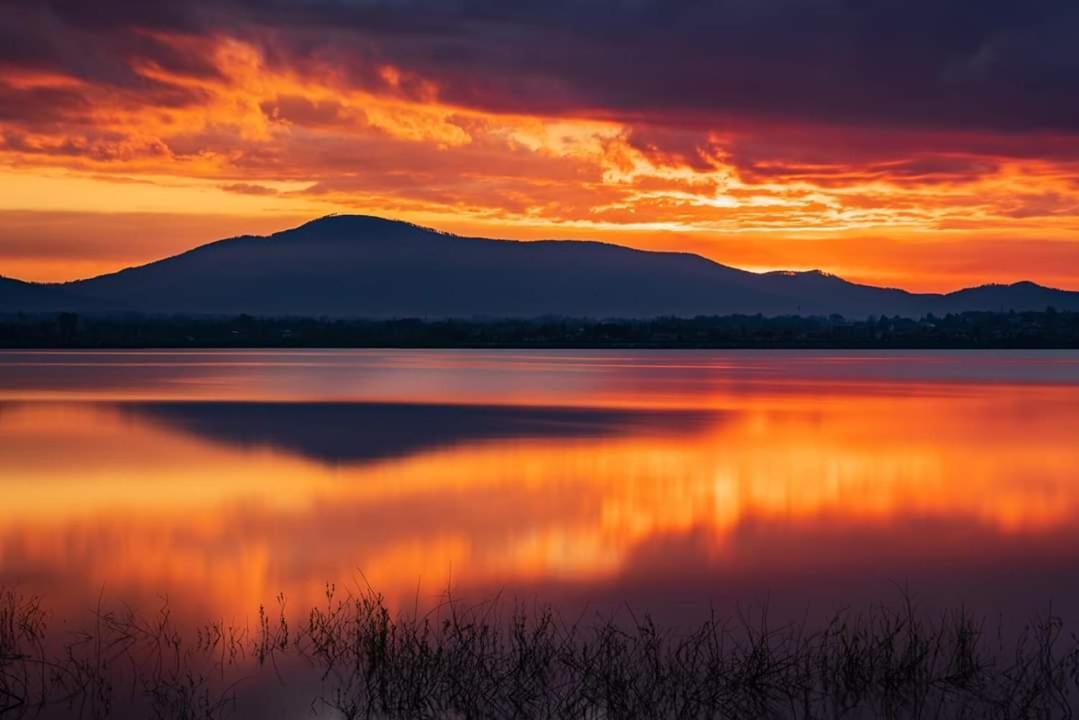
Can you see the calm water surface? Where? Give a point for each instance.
(673, 481)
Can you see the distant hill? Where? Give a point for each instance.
(19, 296)
(361, 266)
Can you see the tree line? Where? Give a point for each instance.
(1044, 329)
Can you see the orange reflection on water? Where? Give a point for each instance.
(144, 499)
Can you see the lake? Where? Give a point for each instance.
(670, 481)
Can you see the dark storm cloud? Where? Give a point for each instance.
(997, 65)
(100, 42)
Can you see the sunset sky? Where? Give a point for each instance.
(929, 144)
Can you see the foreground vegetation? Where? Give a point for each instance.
(1048, 329)
(362, 661)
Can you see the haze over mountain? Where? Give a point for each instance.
(361, 266)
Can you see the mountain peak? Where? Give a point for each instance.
(1020, 285)
(336, 224)
(803, 274)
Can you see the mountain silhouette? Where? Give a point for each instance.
(362, 266)
(19, 296)
(358, 432)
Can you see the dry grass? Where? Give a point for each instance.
(359, 660)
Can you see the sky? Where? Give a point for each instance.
(926, 144)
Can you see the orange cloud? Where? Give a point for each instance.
(241, 135)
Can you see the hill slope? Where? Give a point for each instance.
(19, 296)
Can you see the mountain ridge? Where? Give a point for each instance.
(368, 266)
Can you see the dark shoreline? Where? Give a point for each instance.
(1048, 329)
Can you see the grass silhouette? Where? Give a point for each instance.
(360, 660)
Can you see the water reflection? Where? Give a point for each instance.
(351, 432)
(784, 481)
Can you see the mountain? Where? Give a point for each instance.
(360, 266)
(19, 296)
